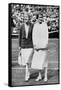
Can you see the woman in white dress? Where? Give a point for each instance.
(40, 42)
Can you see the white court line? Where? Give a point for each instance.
(48, 39)
(33, 69)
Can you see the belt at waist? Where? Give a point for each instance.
(41, 49)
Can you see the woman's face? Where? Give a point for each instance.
(26, 18)
(33, 19)
(40, 19)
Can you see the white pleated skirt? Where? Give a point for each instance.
(25, 56)
(39, 60)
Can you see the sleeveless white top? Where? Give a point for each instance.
(40, 35)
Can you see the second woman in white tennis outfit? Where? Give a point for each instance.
(40, 42)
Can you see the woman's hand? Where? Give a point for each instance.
(19, 48)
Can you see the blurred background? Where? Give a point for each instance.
(51, 13)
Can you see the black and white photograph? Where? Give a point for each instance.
(33, 44)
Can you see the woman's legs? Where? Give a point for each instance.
(27, 58)
(27, 73)
(46, 70)
(45, 75)
(39, 76)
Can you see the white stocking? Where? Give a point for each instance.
(27, 73)
(45, 77)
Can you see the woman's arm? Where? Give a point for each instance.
(20, 36)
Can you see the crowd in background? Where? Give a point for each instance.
(51, 14)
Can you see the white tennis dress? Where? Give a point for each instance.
(40, 40)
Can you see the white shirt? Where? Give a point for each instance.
(26, 30)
